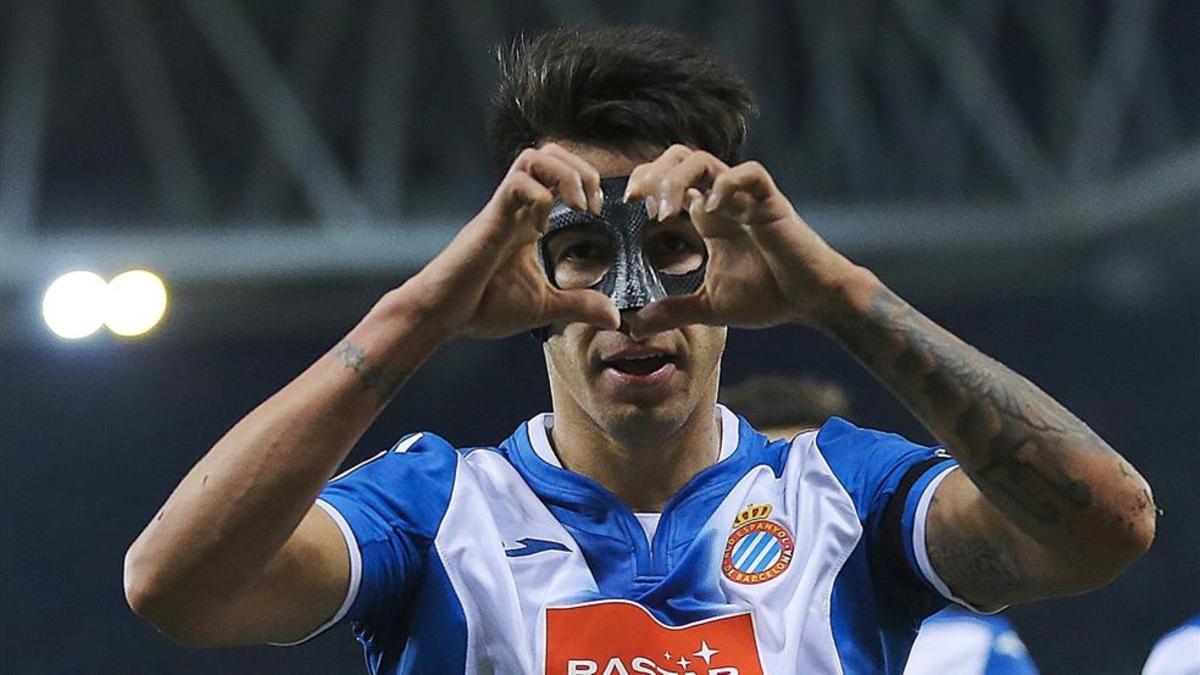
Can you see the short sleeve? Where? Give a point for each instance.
(891, 481)
(388, 509)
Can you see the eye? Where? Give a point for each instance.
(578, 258)
(584, 250)
(674, 252)
(672, 243)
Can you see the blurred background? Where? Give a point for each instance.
(1027, 173)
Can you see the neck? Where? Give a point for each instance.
(644, 473)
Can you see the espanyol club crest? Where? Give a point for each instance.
(759, 549)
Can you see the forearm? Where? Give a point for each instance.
(1047, 472)
(240, 503)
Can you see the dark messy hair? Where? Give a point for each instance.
(618, 87)
(768, 401)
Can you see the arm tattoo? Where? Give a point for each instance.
(1011, 438)
(985, 567)
(1028, 455)
(372, 378)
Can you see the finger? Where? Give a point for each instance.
(556, 174)
(522, 191)
(644, 178)
(669, 313)
(590, 177)
(750, 178)
(716, 225)
(697, 170)
(582, 305)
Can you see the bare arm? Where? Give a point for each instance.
(238, 554)
(1045, 507)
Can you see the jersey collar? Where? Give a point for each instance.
(539, 427)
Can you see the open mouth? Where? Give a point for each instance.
(641, 365)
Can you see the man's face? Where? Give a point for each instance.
(640, 390)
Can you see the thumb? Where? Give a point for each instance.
(669, 313)
(585, 305)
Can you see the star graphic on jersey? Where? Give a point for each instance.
(683, 662)
(705, 652)
(666, 656)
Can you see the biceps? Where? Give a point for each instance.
(301, 590)
(981, 557)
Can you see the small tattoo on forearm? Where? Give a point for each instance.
(372, 378)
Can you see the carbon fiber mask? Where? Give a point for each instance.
(607, 253)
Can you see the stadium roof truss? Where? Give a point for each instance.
(327, 138)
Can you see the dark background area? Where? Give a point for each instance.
(1027, 173)
(95, 437)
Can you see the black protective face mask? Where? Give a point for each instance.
(612, 258)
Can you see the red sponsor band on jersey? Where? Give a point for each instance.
(619, 637)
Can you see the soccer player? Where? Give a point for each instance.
(628, 235)
(952, 642)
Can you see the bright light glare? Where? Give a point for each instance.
(137, 300)
(74, 305)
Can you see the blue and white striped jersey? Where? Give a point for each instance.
(1177, 652)
(782, 557)
(957, 642)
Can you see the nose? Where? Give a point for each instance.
(630, 319)
(628, 316)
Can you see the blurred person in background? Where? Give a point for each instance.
(782, 406)
(1178, 652)
(639, 527)
(952, 642)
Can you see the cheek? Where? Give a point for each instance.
(707, 344)
(566, 350)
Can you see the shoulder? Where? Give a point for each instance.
(421, 451)
(406, 486)
(859, 448)
(868, 463)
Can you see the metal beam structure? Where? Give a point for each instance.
(983, 101)
(1122, 57)
(23, 123)
(175, 168)
(386, 111)
(319, 26)
(284, 121)
(397, 248)
(893, 124)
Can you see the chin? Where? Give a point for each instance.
(638, 422)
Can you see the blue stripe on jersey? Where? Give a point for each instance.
(438, 641)
(394, 505)
(879, 611)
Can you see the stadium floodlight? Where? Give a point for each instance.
(74, 305)
(137, 300)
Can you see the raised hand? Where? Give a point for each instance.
(488, 281)
(766, 266)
